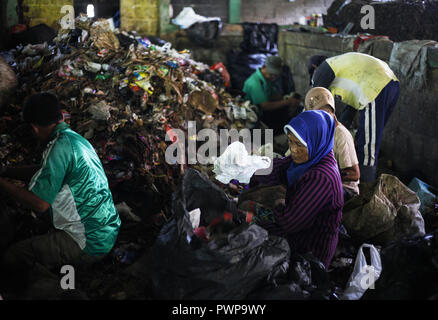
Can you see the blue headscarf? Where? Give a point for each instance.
(315, 129)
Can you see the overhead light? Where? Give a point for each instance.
(90, 11)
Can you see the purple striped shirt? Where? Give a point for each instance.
(313, 212)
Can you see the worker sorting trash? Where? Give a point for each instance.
(160, 151)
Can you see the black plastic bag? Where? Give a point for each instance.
(213, 77)
(125, 41)
(409, 270)
(204, 33)
(260, 38)
(259, 42)
(242, 65)
(157, 41)
(303, 278)
(182, 266)
(38, 34)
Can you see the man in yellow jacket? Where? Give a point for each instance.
(366, 84)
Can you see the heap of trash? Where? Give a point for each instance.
(129, 96)
(122, 93)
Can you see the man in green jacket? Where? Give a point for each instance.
(258, 88)
(70, 185)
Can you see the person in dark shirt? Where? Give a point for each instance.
(366, 85)
(313, 63)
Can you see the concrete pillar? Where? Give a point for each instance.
(11, 13)
(165, 23)
(234, 11)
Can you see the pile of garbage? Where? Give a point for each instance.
(122, 93)
(128, 97)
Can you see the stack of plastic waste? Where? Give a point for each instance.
(124, 94)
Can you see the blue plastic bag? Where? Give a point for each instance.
(423, 192)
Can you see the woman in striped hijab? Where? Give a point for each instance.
(310, 215)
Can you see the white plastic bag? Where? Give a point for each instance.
(236, 163)
(363, 276)
(195, 217)
(187, 17)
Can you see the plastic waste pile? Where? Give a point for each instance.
(121, 92)
(125, 94)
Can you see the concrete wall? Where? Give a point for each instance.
(281, 12)
(206, 8)
(140, 15)
(410, 137)
(148, 17)
(44, 11)
(230, 38)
